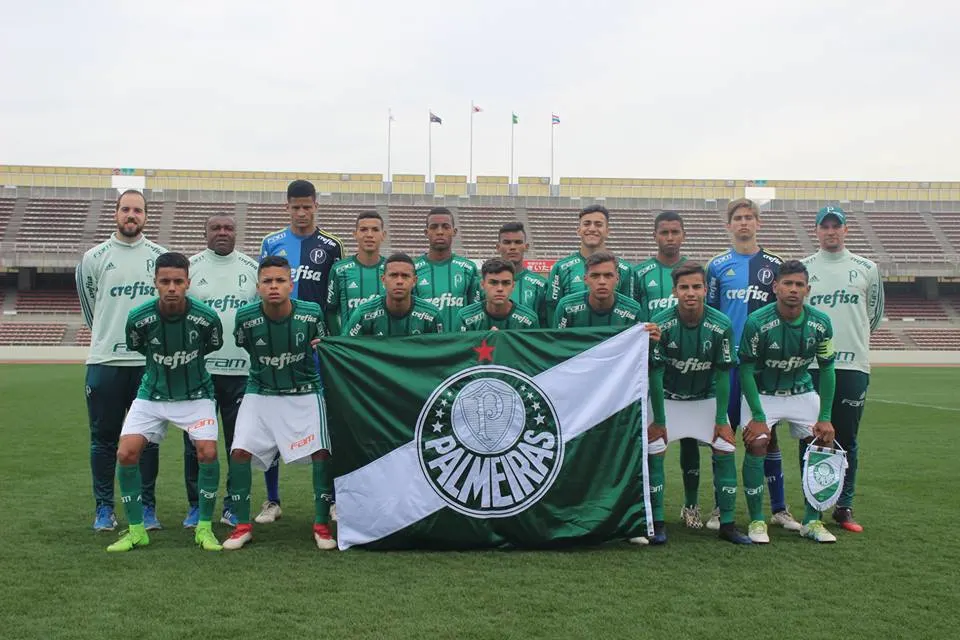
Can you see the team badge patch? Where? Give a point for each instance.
(488, 442)
(823, 472)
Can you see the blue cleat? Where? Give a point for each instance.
(150, 522)
(193, 517)
(228, 518)
(105, 519)
(659, 533)
(730, 533)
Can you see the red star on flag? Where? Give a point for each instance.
(484, 351)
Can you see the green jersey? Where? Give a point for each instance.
(113, 278)
(351, 284)
(847, 288)
(530, 291)
(567, 276)
(691, 355)
(574, 310)
(449, 285)
(174, 348)
(281, 356)
(373, 319)
(225, 283)
(653, 286)
(475, 317)
(782, 351)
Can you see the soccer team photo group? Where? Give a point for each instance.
(546, 403)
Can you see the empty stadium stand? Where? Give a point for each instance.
(47, 301)
(478, 229)
(188, 234)
(913, 307)
(935, 339)
(6, 211)
(407, 224)
(885, 339)
(53, 222)
(31, 334)
(905, 234)
(82, 338)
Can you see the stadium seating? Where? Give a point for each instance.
(6, 210)
(53, 222)
(47, 301)
(913, 307)
(31, 334)
(188, 234)
(902, 238)
(935, 339)
(949, 223)
(885, 339)
(478, 229)
(407, 224)
(82, 338)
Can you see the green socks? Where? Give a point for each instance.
(809, 513)
(242, 478)
(321, 491)
(725, 482)
(130, 487)
(690, 467)
(753, 482)
(207, 482)
(655, 464)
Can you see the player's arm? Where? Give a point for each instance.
(239, 335)
(438, 325)
(134, 335)
(828, 384)
(625, 286)
(875, 300)
(87, 287)
(214, 341)
(554, 291)
(264, 252)
(474, 288)
(333, 304)
(559, 319)
(713, 286)
(354, 326)
(749, 354)
(541, 308)
(459, 325)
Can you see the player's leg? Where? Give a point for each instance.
(252, 441)
(150, 458)
(656, 452)
(725, 484)
(734, 411)
(690, 470)
(229, 392)
(753, 477)
(322, 477)
(773, 470)
(848, 404)
(191, 471)
(802, 413)
(270, 510)
(198, 419)
(106, 419)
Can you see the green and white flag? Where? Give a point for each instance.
(823, 474)
(501, 438)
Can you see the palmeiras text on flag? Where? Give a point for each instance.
(488, 439)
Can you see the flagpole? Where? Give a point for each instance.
(552, 127)
(389, 132)
(513, 125)
(470, 172)
(430, 148)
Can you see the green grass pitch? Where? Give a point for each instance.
(899, 579)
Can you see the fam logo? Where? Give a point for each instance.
(488, 442)
(765, 275)
(318, 256)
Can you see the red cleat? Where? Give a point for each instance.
(242, 534)
(843, 516)
(323, 538)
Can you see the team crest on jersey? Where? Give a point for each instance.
(488, 442)
(300, 338)
(150, 265)
(765, 275)
(457, 280)
(193, 335)
(707, 346)
(318, 256)
(823, 473)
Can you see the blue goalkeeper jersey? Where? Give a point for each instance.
(739, 284)
(311, 258)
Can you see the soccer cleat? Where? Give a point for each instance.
(690, 517)
(325, 541)
(206, 540)
(105, 519)
(786, 520)
(659, 533)
(757, 531)
(242, 534)
(135, 536)
(730, 533)
(640, 541)
(228, 518)
(816, 530)
(843, 516)
(150, 522)
(269, 512)
(714, 522)
(193, 517)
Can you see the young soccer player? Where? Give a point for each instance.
(692, 372)
(397, 312)
(779, 343)
(283, 410)
(174, 332)
(601, 304)
(359, 278)
(530, 289)
(447, 281)
(497, 310)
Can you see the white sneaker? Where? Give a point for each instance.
(333, 513)
(816, 530)
(786, 520)
(323, 537)
(690, 517)
(241, 535)
(757, 531)
(714, 522)
(269, 512)
(640, 541)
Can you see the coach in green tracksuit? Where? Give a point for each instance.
(847, 288)
(112, 278)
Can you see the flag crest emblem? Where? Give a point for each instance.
(823, 472)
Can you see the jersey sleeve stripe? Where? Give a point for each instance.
(85, 303)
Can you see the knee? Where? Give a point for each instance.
(323, 454)
(240, 455)
(758, 448)
(206, 451)
(128, 455)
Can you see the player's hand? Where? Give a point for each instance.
(724, 432)
(315, 342)
(493, 329)
(654, 330)
(755, 430)
(655, 432)
(824, 431)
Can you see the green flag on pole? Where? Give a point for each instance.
(516, 118)
(488, 439)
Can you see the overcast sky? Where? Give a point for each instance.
(735, 89)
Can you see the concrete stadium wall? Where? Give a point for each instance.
(79, 354)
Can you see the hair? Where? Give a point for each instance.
(688, 269)
(667, 216)
(596, 208)
(370, 215)
(496, 265)
(440, 211)
(790, 267)
(512, 227)
(221, 214)
(129, 191)
(741, 203)
(399, 257)
(599, 258)
(301, 189)
(171, 260)
(273, 261)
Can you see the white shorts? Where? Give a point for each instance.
(149, 419)
(801, 411)
(689, 419)
(293, 426)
